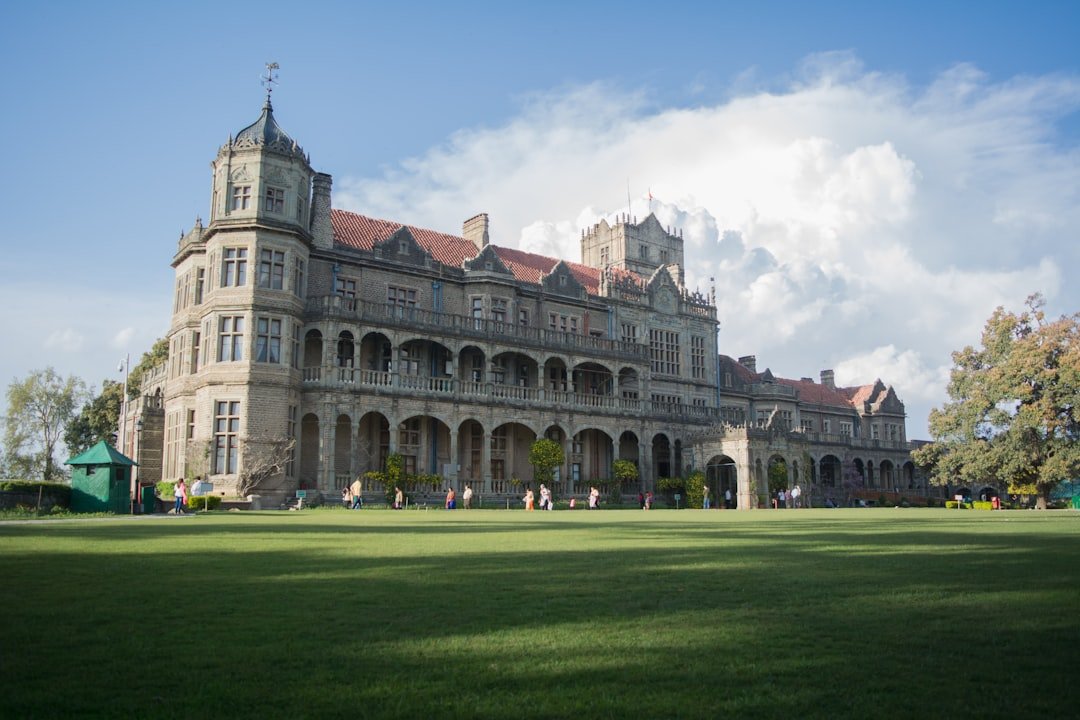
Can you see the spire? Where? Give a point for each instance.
(265, 132)
(268, 82)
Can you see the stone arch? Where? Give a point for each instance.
(629, 387)
(510, 446)
(313, 349)
(722, 474)
(372, 442)
(343, 451)
(471, 360)
(778, 476)
(376, 353)
(309, 451)
(590, 456)
(887, 475)
(346, 349)
(424, 444)
(662, 456)
(830, 471)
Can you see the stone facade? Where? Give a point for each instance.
(357, 338)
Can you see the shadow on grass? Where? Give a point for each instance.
(593, 617)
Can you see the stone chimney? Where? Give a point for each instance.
(321, 230)
(749, 362)
(475, 230)
(827, 378)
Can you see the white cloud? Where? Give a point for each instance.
(122, 339)
(65, 340)
(850, 221)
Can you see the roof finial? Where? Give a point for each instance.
(269, 79)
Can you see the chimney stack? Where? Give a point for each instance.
(321, 230)
(827, 378)
(475, 230)
(749, 362)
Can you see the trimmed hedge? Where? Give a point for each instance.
(203, 502)
(25, 490)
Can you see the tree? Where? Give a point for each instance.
(1012, 413)
(625, 472)
(39, 408)
(545, 455)
(261, 459)
(97, 420)
(152, 358)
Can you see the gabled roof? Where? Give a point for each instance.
(808, 391)
(363, 233)
(101, 454)
(818, 394)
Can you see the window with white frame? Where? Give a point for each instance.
(298, 277)
(401, 297)
(346, 289)
(845, 429)
(231, 338)
(664, 351)
(226, 437)
(234, 267)
(629, 333)
(268, 340)
(274, 200)
(498, 309)
(697, 357)
(271, 269)
(241, 197)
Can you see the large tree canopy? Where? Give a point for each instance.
(1012, 414)
(97, 420)
(39, 408)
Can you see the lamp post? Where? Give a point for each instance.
(125, 367)
(135, 475)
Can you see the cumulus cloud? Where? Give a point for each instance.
(849, 220)
(65, 340)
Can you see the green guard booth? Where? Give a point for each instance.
(101, 480)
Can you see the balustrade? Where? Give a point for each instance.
(439, 323)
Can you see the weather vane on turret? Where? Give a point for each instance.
(270, 79)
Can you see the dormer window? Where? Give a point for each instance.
(403, 247)
(562, 281)
(241, 197)
(274, 200)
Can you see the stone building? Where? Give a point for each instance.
(358, 337)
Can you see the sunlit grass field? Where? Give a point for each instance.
(493, 614)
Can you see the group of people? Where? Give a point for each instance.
(466, 498)
(352, 496)
(788, 498)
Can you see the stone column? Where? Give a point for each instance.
(485, 464)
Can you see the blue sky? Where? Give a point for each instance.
(866, 180)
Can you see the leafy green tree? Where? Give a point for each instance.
(545, 455)
(778, 477)
(625, 472)
(1012, 413)
(39, 408)
(695, 489)
(97, 420)
(152, 358)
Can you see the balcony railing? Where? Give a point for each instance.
(449, 388)
(449, 324)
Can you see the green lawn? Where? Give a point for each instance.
(794, 614)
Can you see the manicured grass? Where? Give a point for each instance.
(793, 614)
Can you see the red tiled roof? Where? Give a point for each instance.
(362, 232)
(812, 392)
